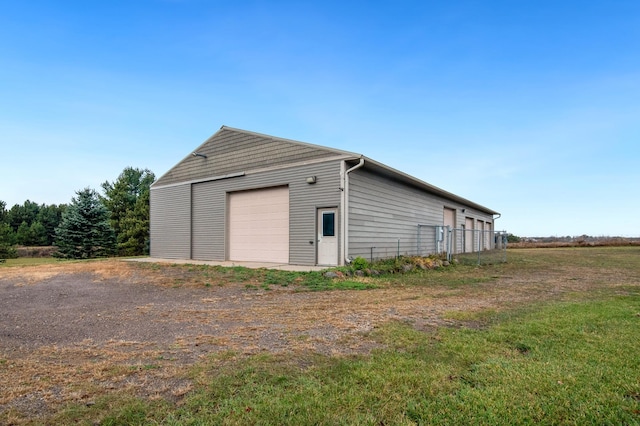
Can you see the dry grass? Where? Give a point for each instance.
(51, 377)
(232, 317)
(37, 252)
(105, 269)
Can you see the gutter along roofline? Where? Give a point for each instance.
(406, 178)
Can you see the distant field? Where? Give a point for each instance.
(550, 337)
(600, 242)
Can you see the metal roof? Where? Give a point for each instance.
(383, 169)
(370, 164)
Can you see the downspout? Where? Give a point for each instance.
(494, 221)
(495, 229)
(345, 208)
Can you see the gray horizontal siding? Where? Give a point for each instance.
(230, 151)
(209, 209)
(304, 201)
(208, 215)
(383, 211)
(170, 225)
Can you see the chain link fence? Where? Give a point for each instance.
(467, 246)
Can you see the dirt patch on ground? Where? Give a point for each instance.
(73, 331)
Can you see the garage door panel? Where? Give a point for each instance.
(259, 225)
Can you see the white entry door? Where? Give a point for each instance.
(327, 246)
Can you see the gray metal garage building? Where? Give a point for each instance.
(244, 196)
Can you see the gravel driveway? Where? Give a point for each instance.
(106, 302)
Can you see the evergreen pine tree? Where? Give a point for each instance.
(7, 240)
(85, 231)
(134, 228)
(3, 212)
(37, 234)
(26, 212)
(50, 217)
(127, 200)
(23, 236)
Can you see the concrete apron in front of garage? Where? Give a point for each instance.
(229, 263)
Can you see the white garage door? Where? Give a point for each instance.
(259, 225)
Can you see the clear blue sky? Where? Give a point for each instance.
(529, 108)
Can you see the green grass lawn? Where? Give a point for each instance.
(29, 261)
(36, 261)
(569, 361)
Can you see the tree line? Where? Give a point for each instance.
(114, 222)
